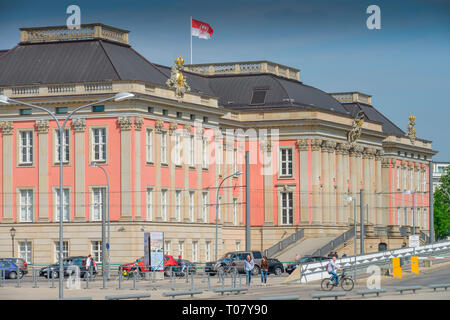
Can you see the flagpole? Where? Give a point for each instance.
(190, 28)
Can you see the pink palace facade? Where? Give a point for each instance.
(165, 155)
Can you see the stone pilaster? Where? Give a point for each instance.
(7, 128)
(138, 121)
(125, 125)
(171, 196)
(327, 178)
(158, 130)
(386, 191)
(316, 189)
(303, 146)
(341, 182)
(43, 190)
(378, 188)
(79, 128)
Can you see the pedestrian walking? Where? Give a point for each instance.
(330, 255)
(264, 270)
(297, 256)
(249, 264)
(336, 255)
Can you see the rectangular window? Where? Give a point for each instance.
(149, 146)
(398, 177)
(238, 246)
(286, 161)
(191, 151)
(66, 147)
(235, 220)
(149, 204)
(25, 112)
(398, 216)
(98, 108)
(181, 249)
(235, 166)
(99, 144)
(178, 205)
(191, 205)
(96, 251)
(164, 205)
(204, 154)
(167, 247)
(287, 208)
(66, 207)
(179, 115)
(405, 216)
(97, 203)
(62, 110)
(194, 251)
(26, 205)
(25, 251)
(164, 147)
(205, 206)
(65, 251)
(165, 112)
(177, 150)
(26, 147)
(208, 250)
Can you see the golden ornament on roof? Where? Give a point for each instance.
(412, 118)
(179, 61)
(180, 78)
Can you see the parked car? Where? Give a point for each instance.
(237, 258)
(10, 269)
(210, 267)
(68, 263)
(21, 263)
(306, 259)
(275, 266)
(169, 261)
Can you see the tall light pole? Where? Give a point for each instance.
(353, 199)
(105, 274)
(217, 204)
(6, 100)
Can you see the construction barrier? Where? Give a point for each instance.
(396, 268)
(415, 264)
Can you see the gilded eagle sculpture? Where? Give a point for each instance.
(177, 80)
(355, 132)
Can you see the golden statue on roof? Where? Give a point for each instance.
(355, 132)
(410, 130)
(177, 80)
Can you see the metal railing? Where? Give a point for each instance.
(281, 245)
(333, 244)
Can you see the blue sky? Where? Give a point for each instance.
(405, 65)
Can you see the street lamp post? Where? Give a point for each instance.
(105, 274)
(12, 232)
(353, 199)
(217, 203)
(6, 100)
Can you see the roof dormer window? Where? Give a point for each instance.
(259, 96)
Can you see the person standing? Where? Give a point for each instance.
(249, 264)
(264, 270)
(297, 257)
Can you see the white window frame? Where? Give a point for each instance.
(287, 212)
(287, 172)
(178, 197)
(97, 205)
(235, 215)
(181, 249)
(238, 246)
(56, 250)
(27, 205)
(149, 146)
(101, 144)
(26, 150)
(194, 251)
(66, 146)
(191, 151)
(66, 204)
(25, 250)
(208, 250)
(397, 168)
(163, 147)
(177, 149)
(167, 247)
(205, 162)
(149, 206)
(164, 204)
(205, 206)
(96, 250)
(191, 205)
(398, 216)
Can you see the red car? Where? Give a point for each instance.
(168, 262)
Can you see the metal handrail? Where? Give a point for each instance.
(281, 245)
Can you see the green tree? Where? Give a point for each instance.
(442, 207)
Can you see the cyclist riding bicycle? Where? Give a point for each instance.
(332, 266)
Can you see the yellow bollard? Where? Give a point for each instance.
(415, 265)
(396, 268)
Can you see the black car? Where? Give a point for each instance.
(68, 265)
(275, 266)
(303, 260)
(209, 268)
(20, 263)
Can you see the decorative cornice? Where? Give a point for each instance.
(42, 126)
(79, 124)
(124, 123)
(7, 127)
(303, 144)
(385, 163)
(328, 146)
(138, 122)
(342, 148)
(173, 126)
(369, 153)
(379, 154)
(356, 150)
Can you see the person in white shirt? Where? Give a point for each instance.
(332, 266)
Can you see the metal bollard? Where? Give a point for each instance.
(120, 281)
(18, 279)
(35, 285)
(154, 280)
(173, 278)
(187, 275)
(134, 281)
(53, 280)
(240, 281)
(87, 281)
(209, 281)
(223, 281)
(1, 278)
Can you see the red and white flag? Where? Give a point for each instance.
(201, 29)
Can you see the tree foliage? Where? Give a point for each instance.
(442, 207)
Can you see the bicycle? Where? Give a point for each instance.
(346, 282)
(133, 272)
